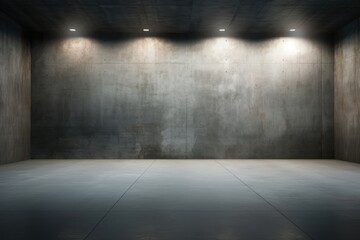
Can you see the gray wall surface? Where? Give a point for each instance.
(15, 89)
(347, 93)
(179, 97)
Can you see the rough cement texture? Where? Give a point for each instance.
(347, 93)
(14, 93)
(181, 97)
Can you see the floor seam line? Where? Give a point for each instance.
(117, 201)
(275, 208)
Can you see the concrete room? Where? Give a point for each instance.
(170, 119)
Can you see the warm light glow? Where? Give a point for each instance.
(222, 30)
(76, 49)
(291, 46)
(292, 30)
(146, 30)
(72, 30)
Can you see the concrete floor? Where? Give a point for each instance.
(180, 199)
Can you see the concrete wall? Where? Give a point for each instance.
(179, 97)
(14, 93)
(347, 93)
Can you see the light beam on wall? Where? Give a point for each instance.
(291, 46)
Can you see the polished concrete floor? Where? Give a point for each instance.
(180, 199)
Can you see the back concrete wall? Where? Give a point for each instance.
(15, 90)
(180, 97)
(347, 93)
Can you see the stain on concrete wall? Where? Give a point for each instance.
(180, 97)
(14, 93)
(347, 93)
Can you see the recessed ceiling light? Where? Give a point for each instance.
(146, 30)
(292, 30)
(72, 30)
(222, 30)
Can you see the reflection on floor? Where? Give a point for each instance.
(180, 199)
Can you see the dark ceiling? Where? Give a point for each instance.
(183, 16)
